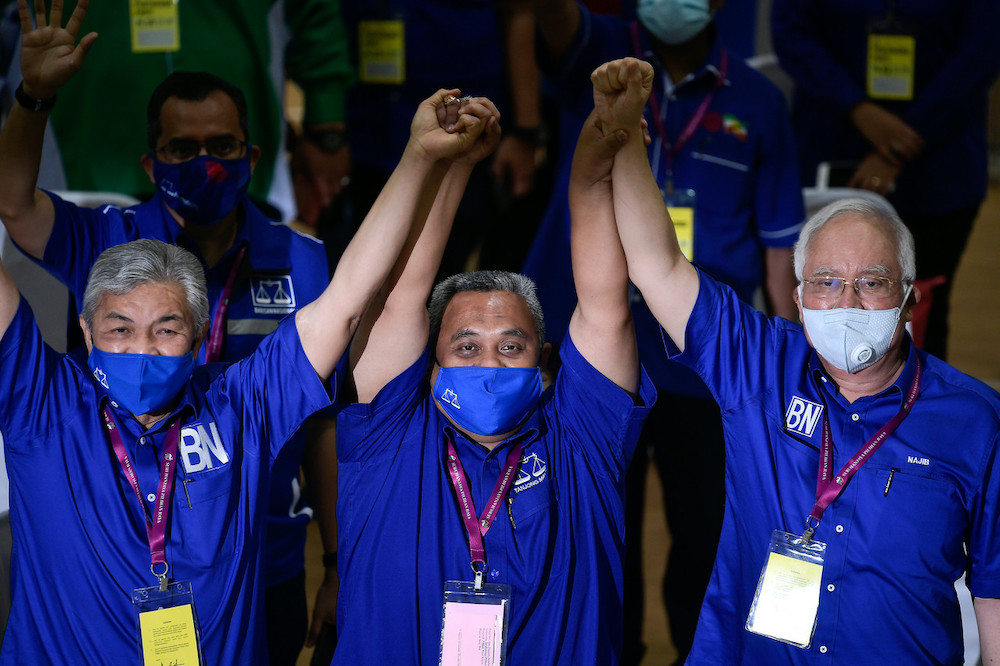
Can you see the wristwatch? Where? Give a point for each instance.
(33, 103)
(328, 140)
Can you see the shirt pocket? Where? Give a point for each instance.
(208, 516)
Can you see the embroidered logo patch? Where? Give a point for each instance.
(202, 448)
(802, 416)
(273, 294)
(531, 473)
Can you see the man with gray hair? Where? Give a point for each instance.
(139, 482)
(481, 519)
(851, 507)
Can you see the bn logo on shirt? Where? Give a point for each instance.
(273, 294)
(802, 416)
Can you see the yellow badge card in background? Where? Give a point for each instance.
(381, 52)
(169, 637)
(155, 26)
(891, 63)
(683, 217)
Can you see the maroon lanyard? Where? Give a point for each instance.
(156, 523)
(829, 487)
(214, 351)
(477, 530)
(672, 150)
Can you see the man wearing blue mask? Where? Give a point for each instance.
(139, 482)
(724, 157)
(862, 474)
(258, 271)
(481, 518)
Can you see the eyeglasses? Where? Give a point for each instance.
(867, 287)
(223, 147)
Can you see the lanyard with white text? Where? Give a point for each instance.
(672, 150)
(214, 351)
(156, 524)
(828, 487)
(477, 530)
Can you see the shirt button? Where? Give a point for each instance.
(494, 573)
(114, 404)
(854, 417)
(151, 497)
(831, 587)
(822, 648)
(840, 528)
(142, 440)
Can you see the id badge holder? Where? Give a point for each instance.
(167, 625)
(787, 599)
(154, 25)
(474, 625)
(382, 51)
(680, 205)
(892, 57)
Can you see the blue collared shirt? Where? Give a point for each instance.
(896, 536)
(741, 163)
(558, 544)
(283, 270)
(80, 543)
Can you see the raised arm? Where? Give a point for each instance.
(601, 325)
(395, 330)
(49, 57)
(668, 282)
(326, 325)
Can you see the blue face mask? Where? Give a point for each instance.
(487, 401)
(205, 189)
(673, 21)
(141, 383)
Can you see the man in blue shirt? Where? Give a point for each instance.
(84, 442)
(835, 434)
(722, 150)
(544, 471)
(258, 271)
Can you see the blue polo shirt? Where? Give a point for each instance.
(894, 549)
(741, 163)
(80, 544)
(283, 270)
(559, 547)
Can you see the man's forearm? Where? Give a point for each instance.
(25, 211)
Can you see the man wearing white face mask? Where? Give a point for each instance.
(853, 500)
(723, 155)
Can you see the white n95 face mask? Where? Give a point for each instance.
(852, 338)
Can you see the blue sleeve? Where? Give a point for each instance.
(366, 431)
(798, 42)
(732, 347)
(779, 208)
(597, 416)
(984, 540)
(27, 366)
(276, 386)
(79, 235)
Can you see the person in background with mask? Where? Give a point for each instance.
(258, 271)
(862, 474)
(724, 156)
(473, 504)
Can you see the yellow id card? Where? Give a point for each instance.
(169, 637)
(891, 64)
(155, 26)
(381, 52)
(683, 218)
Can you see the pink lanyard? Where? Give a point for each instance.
(477, 530)
(156, 524)
(828, 488)
(672, 150)
(214, 351)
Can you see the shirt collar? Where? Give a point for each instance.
(710, 71)
(900, 387)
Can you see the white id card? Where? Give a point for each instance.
(474, 624)
(787, 599)
(168, 628)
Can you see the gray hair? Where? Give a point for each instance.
(484, 281)
(122, 268)
(877, 212)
